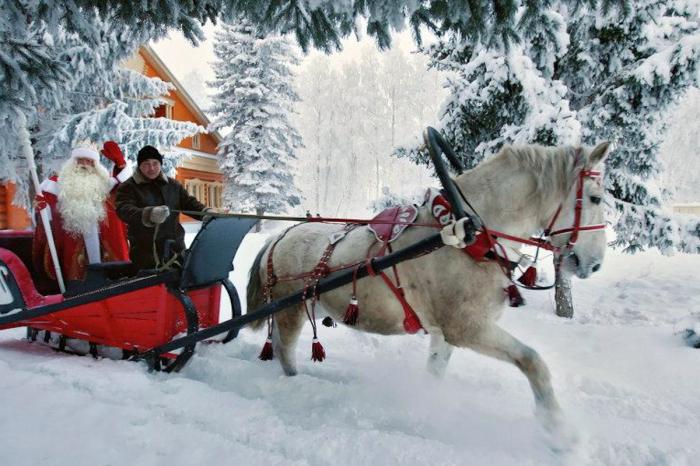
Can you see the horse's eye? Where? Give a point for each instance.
(596, 199)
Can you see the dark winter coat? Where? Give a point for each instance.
(136, 197)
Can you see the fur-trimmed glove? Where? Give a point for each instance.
(111, 150)
(153, 216)
(159, 214)
(40, 202)
(458, 234)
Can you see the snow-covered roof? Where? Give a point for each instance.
(164, 71)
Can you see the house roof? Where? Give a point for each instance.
(164, 71)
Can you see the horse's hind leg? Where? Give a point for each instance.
(285, 333)
(496, 342)
(440, 352)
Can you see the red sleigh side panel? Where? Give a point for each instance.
(139, 319)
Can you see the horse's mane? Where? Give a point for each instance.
(552, 167)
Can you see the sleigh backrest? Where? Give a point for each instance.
(210, 257)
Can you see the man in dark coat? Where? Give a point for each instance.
(146, 200)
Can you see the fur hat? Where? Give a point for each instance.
(85, 153)
(148, 152)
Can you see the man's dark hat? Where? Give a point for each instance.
(149, 152)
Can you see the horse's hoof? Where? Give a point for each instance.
(560, 435)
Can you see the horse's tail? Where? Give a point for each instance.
(254, 292)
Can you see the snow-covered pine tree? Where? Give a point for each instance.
(583, 75)
(253, 100)
(105, 101)
(321, 23)
(638, 66)
(59, 87)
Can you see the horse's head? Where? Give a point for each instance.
(578, 229)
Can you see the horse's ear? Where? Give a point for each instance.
(598, 153)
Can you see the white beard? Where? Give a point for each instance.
(81, 195)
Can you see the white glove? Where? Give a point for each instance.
(453, 233)
(159, 214)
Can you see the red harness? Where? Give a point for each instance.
(394, 221)
(578, 207)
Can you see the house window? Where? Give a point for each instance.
(160, 112)
(192, 186)
(164, 111)
(208, 193)
(195, 141)
(215, 194)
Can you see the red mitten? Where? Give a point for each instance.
(40, 202)
(111, 150)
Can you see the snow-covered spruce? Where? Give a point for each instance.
(253, 101)
(61, 81)
(581, 76)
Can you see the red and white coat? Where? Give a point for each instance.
(106, 244)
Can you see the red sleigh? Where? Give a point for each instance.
(114, 308)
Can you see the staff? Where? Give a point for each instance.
(44, 213)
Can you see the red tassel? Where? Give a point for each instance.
(516, 300)
(266, 354)
(317, 351)
(351, 312)
(529, 278)
(411, 323)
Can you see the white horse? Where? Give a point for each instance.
(458, 300)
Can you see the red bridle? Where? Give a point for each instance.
(545, 241)
(578, 207)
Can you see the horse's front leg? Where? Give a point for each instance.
(496, 342)
(440, 352)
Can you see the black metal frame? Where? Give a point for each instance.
(436, 147)
(192, 327)
(236, 310)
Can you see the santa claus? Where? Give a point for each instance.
(84, 223)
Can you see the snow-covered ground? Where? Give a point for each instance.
(628, 385)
